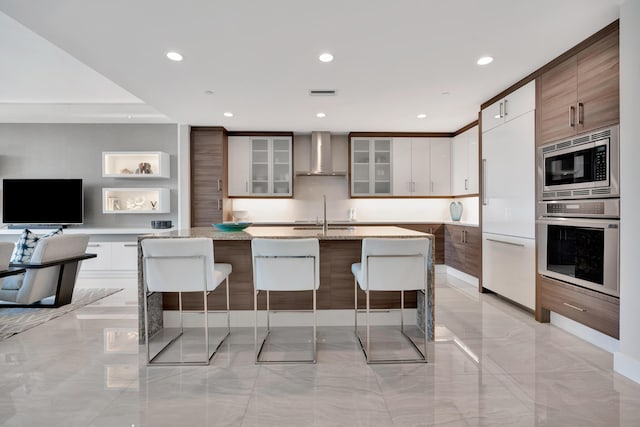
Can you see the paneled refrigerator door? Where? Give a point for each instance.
(508, 169)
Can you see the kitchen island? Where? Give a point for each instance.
(340, 247)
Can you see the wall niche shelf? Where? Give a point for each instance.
(135, 200)
(135, 164)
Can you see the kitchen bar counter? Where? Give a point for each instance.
(340, 247)
(335, 232)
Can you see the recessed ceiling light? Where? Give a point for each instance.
(445, 93)
(208, 92)
(421, 116)
(174, 56)
(228, 114)
(129, 117)
(321, 115)
(485, 60)
(326, 57)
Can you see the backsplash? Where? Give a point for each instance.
(307, 205)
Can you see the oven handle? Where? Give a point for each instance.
(580, 222)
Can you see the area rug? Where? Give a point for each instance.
(18, 319)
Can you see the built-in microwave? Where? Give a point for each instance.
(586, 166)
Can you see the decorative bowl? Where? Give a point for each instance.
(232, 226)
(240, 215)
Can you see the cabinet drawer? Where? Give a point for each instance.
(124, 256)
(592, 309)
(102, 262)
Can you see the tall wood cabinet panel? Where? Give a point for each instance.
(208, 154)
(582, 93)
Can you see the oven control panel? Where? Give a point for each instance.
(598, 208)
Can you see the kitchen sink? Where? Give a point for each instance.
(319, 227)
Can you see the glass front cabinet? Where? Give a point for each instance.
(371, 167)
(271, 166)
(260, 166)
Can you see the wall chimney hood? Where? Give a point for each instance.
(321, 162)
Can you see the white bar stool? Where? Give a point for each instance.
(183, 265)
(392, 265)
(284, 265)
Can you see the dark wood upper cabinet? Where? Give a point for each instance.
(581, 93)
(208, 175)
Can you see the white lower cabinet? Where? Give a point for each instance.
(508, 267)
(112, 256)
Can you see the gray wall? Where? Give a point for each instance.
(75, 151)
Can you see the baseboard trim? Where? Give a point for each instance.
(246, 318)
(462, 276)
(592, 336)
(626, 365)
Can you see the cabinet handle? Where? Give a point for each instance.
(466, 184)
(501, 111)
(580, 114)
(506, 243)
(461, 236)
(219, 185)
(484, 182)
(574, 307)
(93, 245)
(572, 116)
(130, 245)
(246, 186)
(505, 107)
(430, 230)
(219, 205)
(432, 186)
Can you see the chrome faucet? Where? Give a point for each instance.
(325, 226)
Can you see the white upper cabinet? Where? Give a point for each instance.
(464, 163)
(440, 166)
(421, 167)
(508, 108)
(402, 159)
(239, 168)
(260, 166)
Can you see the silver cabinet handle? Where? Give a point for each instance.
(574, 307)
(219, 185)
(246, 186)
(572, 116)
(93, 245)
(461, 236)
(484, 182)
(506, 243)
(466, 183)
(432, 186)
(219, 204)
(580, 114)
(505, 107)
(501, 111)
(130, 245)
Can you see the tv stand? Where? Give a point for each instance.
(35, 226)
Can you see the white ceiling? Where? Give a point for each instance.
(104, 61)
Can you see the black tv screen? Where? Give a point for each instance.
(42, 201)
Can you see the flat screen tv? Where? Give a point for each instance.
(42, 201)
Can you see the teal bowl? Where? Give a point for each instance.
(232, 226)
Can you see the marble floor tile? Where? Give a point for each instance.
(493, 365)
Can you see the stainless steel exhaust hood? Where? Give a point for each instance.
(321, 162)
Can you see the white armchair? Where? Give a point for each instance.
(51, 272)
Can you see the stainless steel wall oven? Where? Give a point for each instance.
(578, 243)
